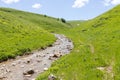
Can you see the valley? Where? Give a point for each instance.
(95, 55)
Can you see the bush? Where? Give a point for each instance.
(58, 19)
(63, 20)
(45, 15)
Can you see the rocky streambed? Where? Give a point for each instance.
(28, 67)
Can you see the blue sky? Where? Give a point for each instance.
(68, 9)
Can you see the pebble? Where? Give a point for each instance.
(47, 53)
(13, 64)
(4, 65)
(28, 61)
(19, 61)
(29, 72)
(45, 69)
(50, 58)
(2, 78)
(39, 60)
(37, 71)
(57, 55)
(7, 70)
(38, 56)
(22, 66)
(28, 75)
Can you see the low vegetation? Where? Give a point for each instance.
(21, 32)
(96, 53)
(96, 43)
(76, 23)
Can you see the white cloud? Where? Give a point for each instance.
(79, 3)
(37, 6)
(115, 2)
(111, 2)
(107, 2)
(10, 1)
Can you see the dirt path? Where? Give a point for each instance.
(28, 67)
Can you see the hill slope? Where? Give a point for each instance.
(21, 32)
(44, 21)
(96, 53)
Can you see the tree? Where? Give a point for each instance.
(63, 20)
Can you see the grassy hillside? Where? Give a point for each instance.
(76, 23)
(22, 32)
(96, 54)
(44, 21)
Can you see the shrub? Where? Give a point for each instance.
(45, 15)
(58, 19)
(63, 20)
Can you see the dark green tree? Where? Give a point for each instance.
(63, 20)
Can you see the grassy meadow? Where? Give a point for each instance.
(21, 32)
(96, 53)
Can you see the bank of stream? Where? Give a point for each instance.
(28, 67)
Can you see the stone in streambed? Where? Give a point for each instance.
(2, 78)
(57, 55)
(13, 64)
(29, 72)
(45, 69)
(22, 66)
(50, 58)
(39, 60)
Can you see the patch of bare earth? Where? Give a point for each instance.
(108, 71)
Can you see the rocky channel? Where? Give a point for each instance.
(28, 67)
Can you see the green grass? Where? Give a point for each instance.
(97, 44)
(21, 32)
(43, 21)
(75, 23)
